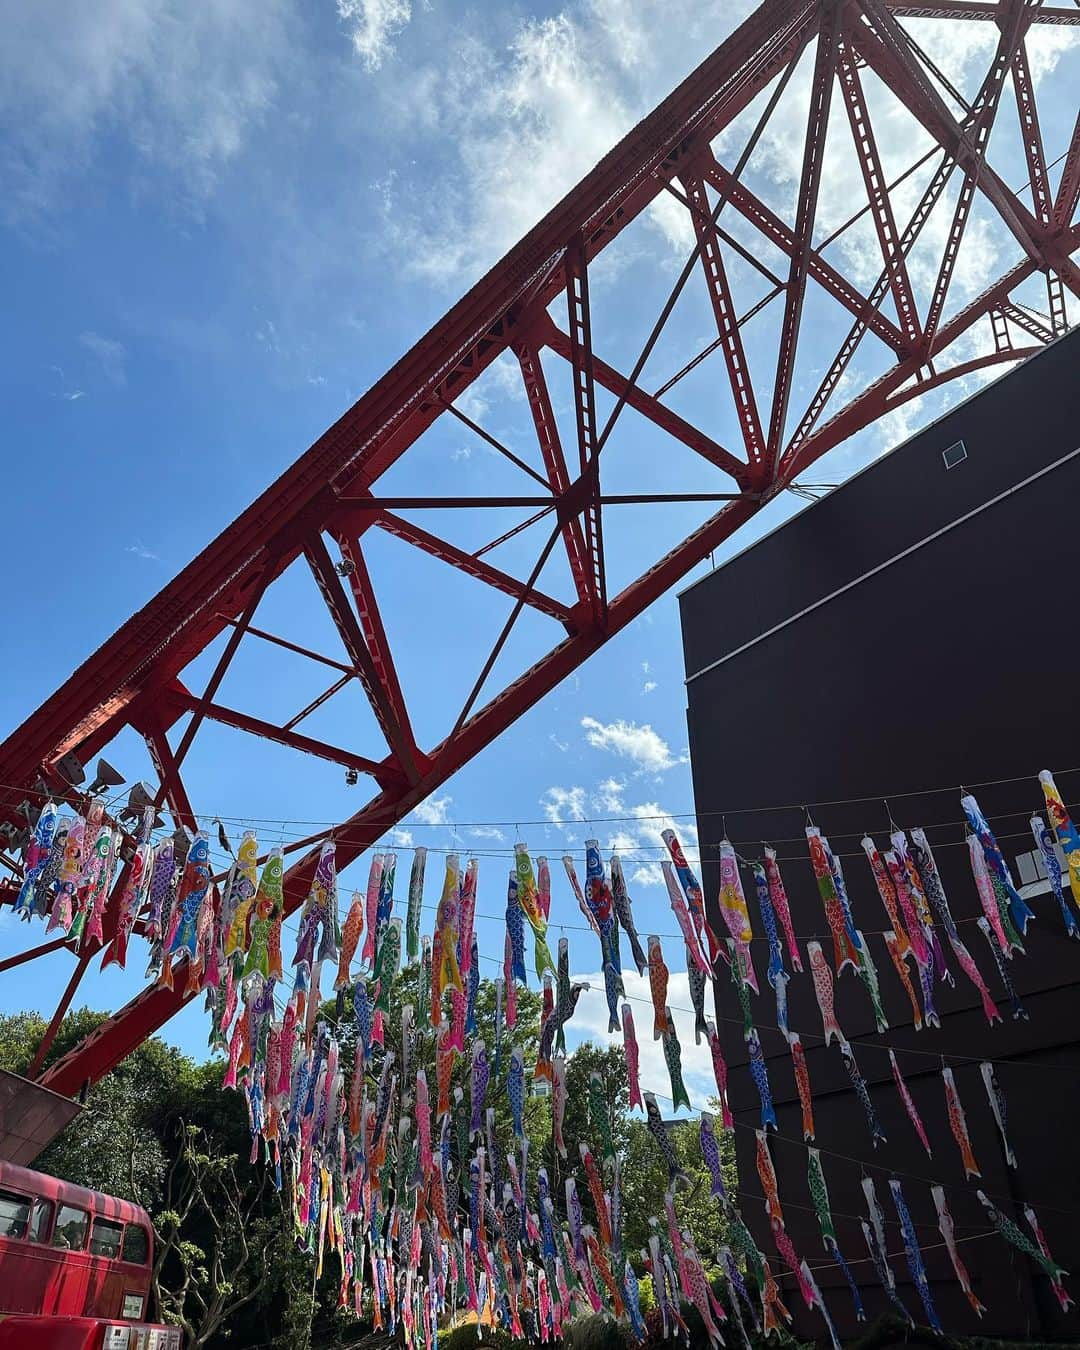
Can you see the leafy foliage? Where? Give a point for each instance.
(201, 1282)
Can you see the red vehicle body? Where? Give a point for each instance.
(74, 1268)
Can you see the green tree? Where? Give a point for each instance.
(114, 1144)
(642, 1170)
(645, 1179)
(201, 1283)
(128, 1141)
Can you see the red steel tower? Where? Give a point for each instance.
(534, 304)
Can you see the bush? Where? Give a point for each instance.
(598, 1332)
(464, 1337)
(890, 1330)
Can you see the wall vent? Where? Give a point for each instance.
(954, 455)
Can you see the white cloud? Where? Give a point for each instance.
(487, 832)
(401, 838)
(373, 25)
(462, 453)
(542, 110)
(649, 686)
(634, 741)
(141, 551)
(561, 805)
(621, 841)
(634, 829)
(110, 355)
(181, 87)
(434, 811)
(608, 795)
(590, 1023)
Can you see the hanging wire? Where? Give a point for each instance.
(332, 826)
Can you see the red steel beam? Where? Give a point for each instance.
(874, 181)
(46, 1042)
(805, 214)
(921, 214)
(31, 953)
(172, 790)
(267, 731)
(885, 49)
(547, 332)
(824, 273)
(983, 111)
(1068, 193)
(382, 661)
(1038, 175)
(290, 646)
(318, 701)
(1024, 89)
(348, 626)
(872, 402)
(474, 567)
(551, 452)
(965, 9)
(579, 322)
(727, 323)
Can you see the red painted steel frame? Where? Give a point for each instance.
(330, 493)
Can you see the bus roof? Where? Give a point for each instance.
(52, 1188)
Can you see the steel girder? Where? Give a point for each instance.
(331, 497)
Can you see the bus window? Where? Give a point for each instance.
(14, 1214)
(136, 1248)
(40, 1220)
(105, 1238)
(71, 1226)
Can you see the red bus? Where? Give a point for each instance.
(74, 1268)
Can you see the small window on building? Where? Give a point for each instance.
(105, 1238)
(954, 455)
(40, 1220)
(71, 1228)
(14, 1214)
(136, 1245)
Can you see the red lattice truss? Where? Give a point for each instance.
(322, 508)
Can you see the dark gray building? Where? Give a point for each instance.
(917, 629)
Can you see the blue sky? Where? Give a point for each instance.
(222, 223)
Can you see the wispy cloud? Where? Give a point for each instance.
(110, 355)
(487, 832)
(141, 551)
(632, 828)
(555, 98)
(434, 811)
(561, 805)
(372, 26)
(590, 1023)
(634, 741)
(179, 87)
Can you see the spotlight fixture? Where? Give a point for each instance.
(70, 768)
(345, 568)
(181, 845)
(352, 777)
(29, 811)
(105, 777)
(139, 798)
